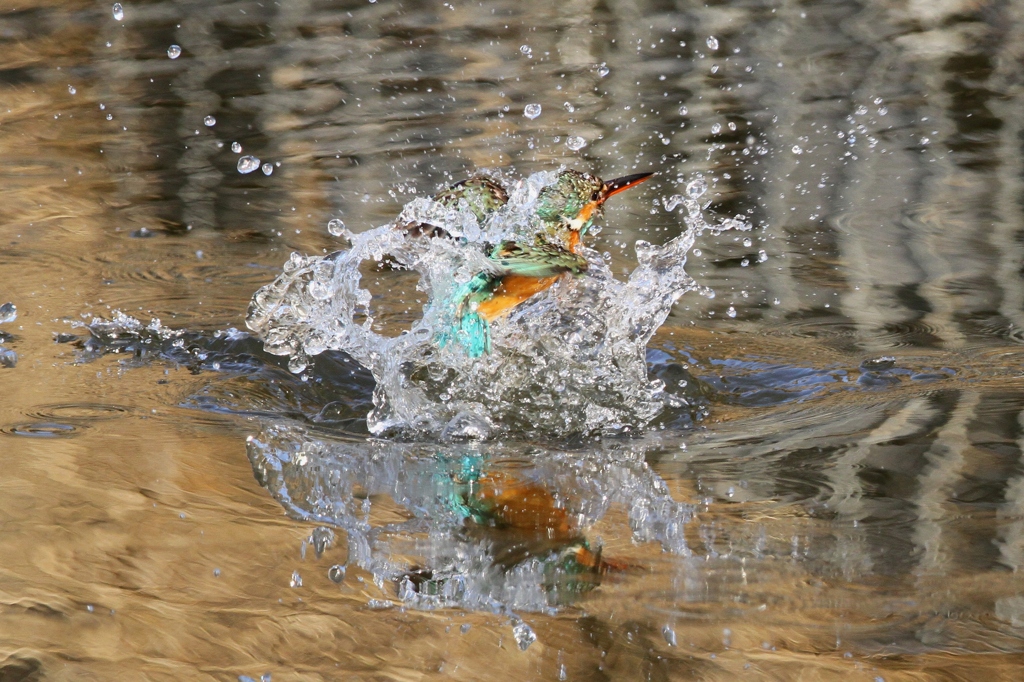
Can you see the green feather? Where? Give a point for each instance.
(537, 260)
(483, 196)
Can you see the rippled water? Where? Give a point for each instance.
(838, 492)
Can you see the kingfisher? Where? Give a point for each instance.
(520, 269)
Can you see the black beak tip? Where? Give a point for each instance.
(620, 184)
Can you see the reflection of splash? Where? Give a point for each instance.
(568, 361)
(481, 529)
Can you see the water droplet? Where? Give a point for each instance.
(603, 71)
(110, 117)
(683, 111)
(748, 242)
(762, 256)
(464, 628)
(526, 50)
(669, 634)
(569, 107)
(712, 43)
(732, 125)
(8, 313)
(267, 168)
(731, 312)
(118, 12)
(71, 89)
(861, 110)
(336, 227)
(925, 141)
(575, 142)
(797, 149)
(696, 188)
(247, 164)
(336, 573)
(673, 201)
(524, 634)
(716, 128)
(531, 111)
(209, 121)
(236, 148)
(174, 51)
(296, 580)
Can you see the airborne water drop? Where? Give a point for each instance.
(696, 188)
(575, 143)
(247, 164)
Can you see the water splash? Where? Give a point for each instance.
(569, 361)
(458, 545)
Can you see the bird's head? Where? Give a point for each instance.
(576, 199)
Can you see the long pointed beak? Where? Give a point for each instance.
(617, 185)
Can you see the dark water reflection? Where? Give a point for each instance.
(818, 511)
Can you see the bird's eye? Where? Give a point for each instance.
(596, 195)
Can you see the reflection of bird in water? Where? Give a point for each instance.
(520, 269)
(521, 520)
(532, 522)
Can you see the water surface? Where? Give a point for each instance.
(842, 497)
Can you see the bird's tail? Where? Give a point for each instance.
(468, 328)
